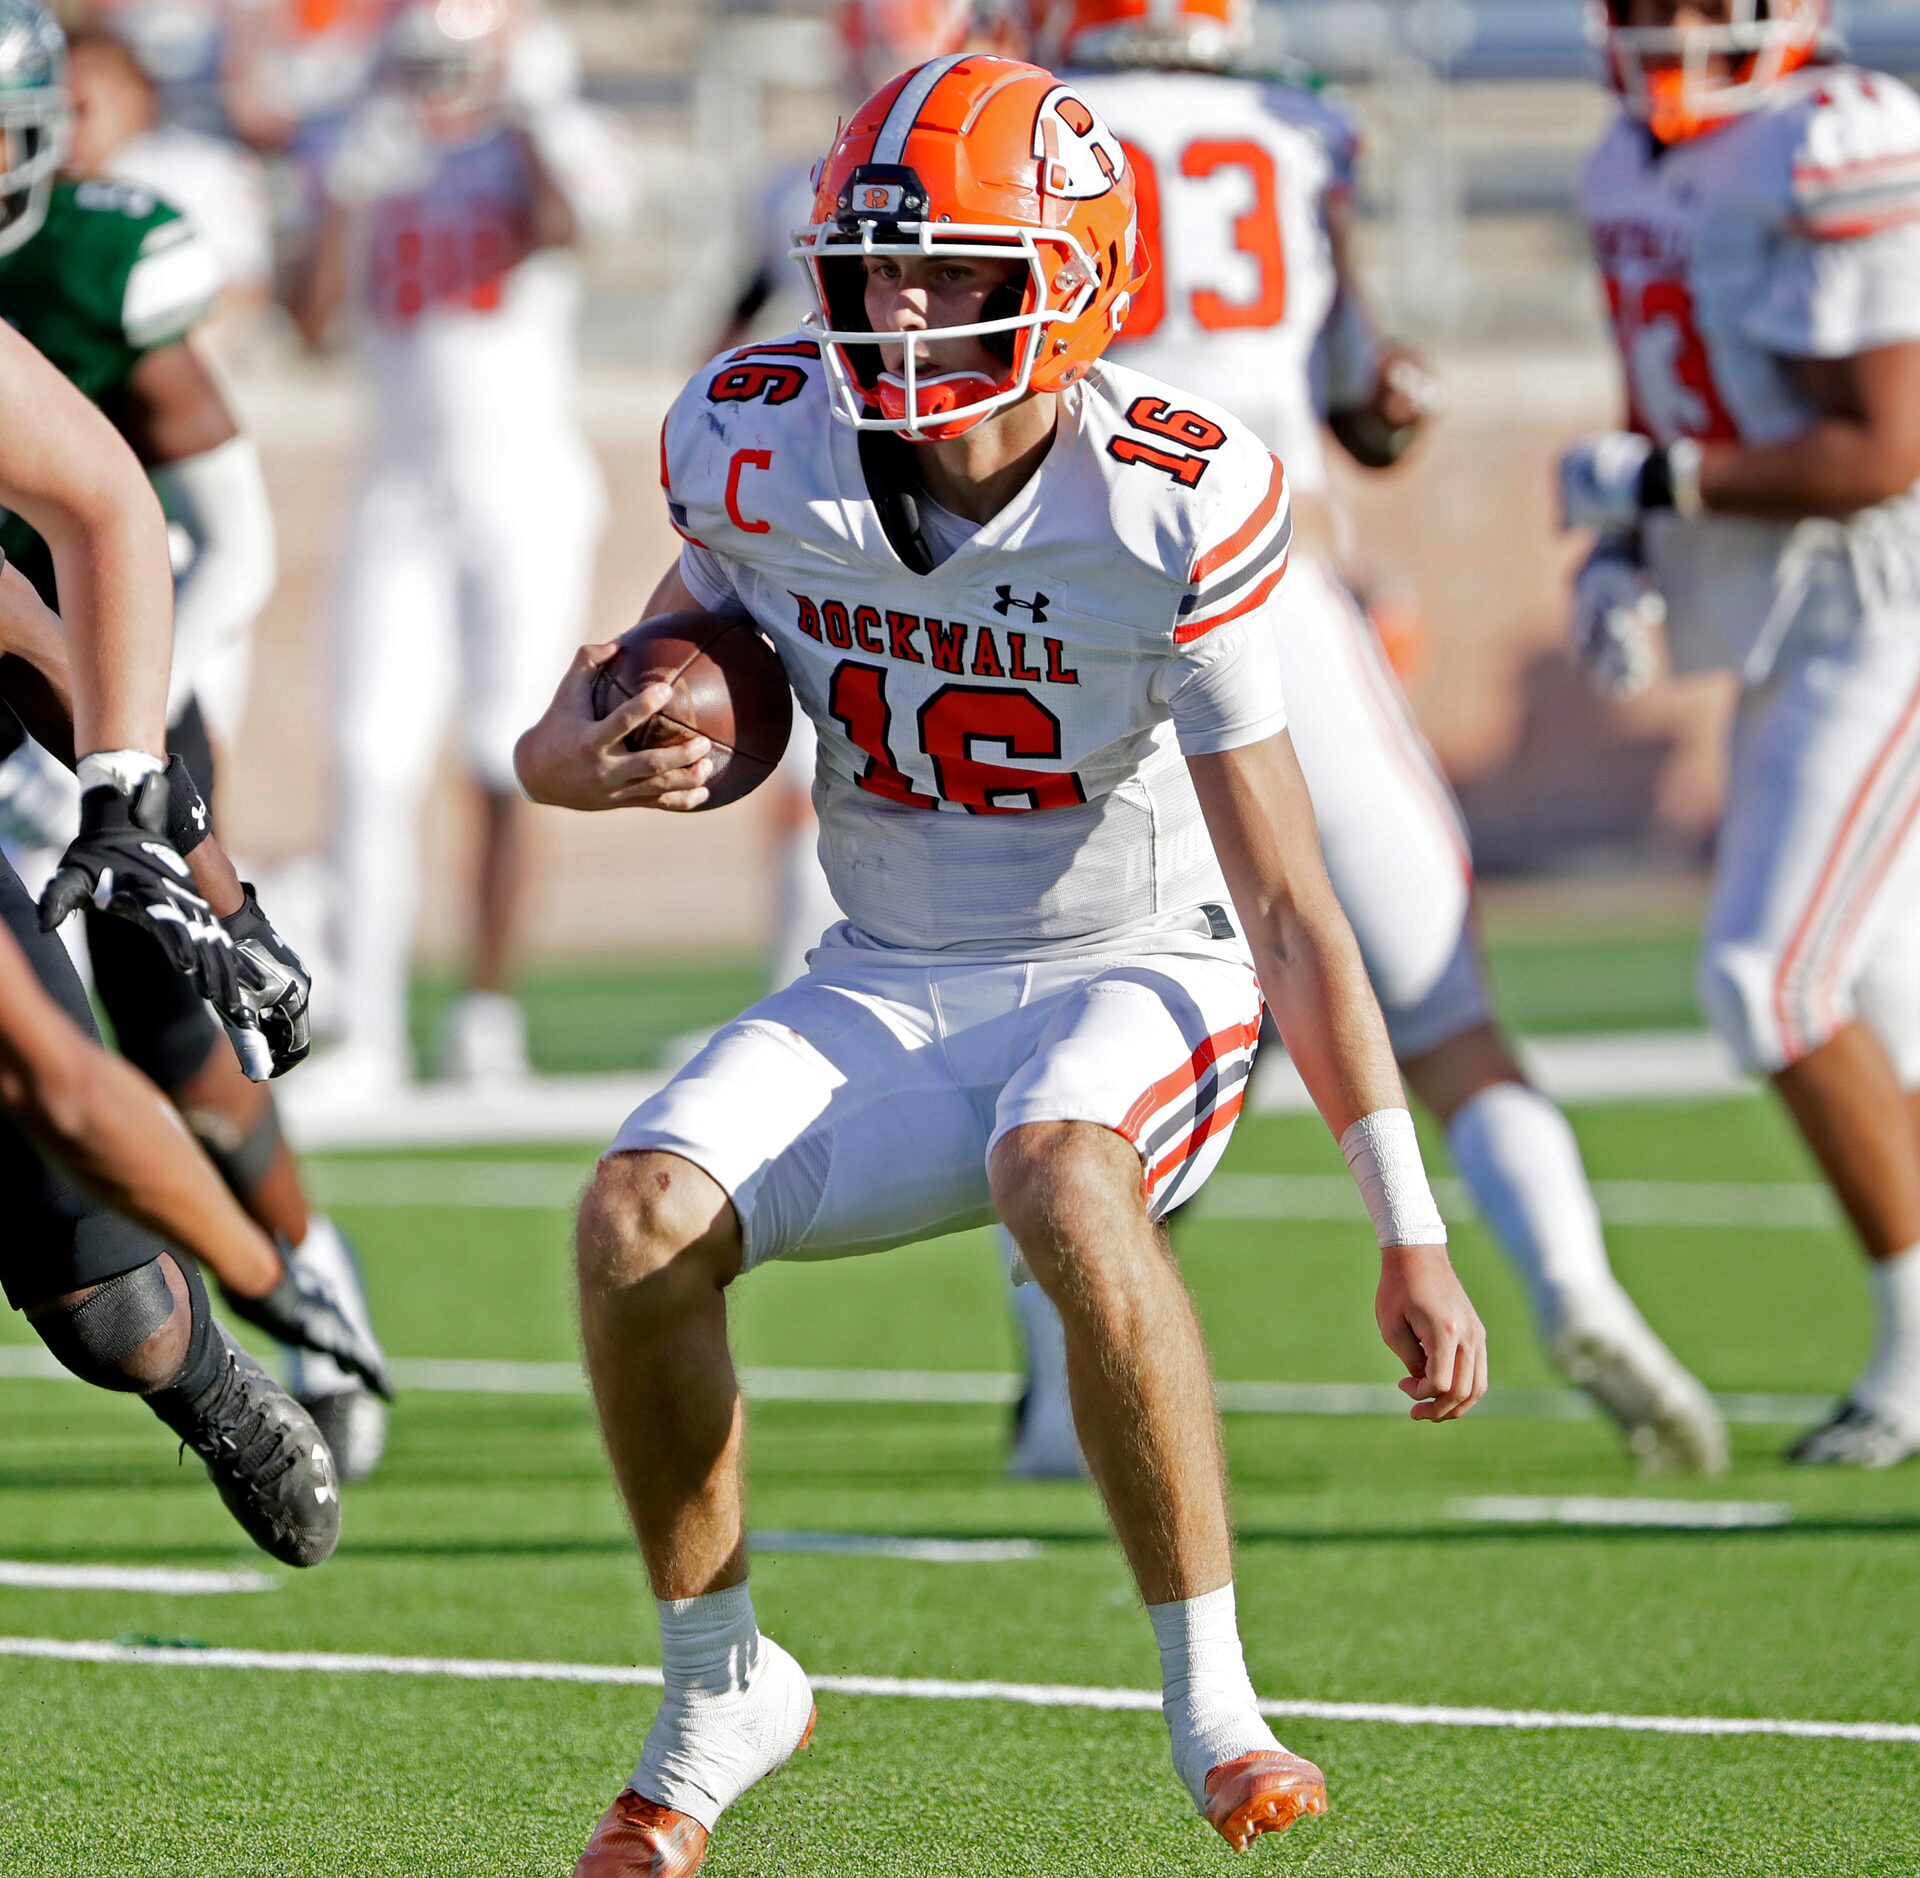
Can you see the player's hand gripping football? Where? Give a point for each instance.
(1430, 1324)
(123, 863)
(571, 759)
(302, 1310)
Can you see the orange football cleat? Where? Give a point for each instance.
(1260, 1793)
(640, 1838)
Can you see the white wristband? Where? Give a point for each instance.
(122, 770)
(1384, 1154)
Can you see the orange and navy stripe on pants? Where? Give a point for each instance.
(1175, 1118)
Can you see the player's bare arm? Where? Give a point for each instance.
(571, 759)
(66, 471)
(1379, 391)
(1261, 821)
(106, 1122)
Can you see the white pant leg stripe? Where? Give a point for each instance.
(1811, 952)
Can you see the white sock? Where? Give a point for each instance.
(1891, 1384)
(736, 1705)
(1522, 1165)
(1206, 1695)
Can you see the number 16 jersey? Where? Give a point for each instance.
(1001, 738)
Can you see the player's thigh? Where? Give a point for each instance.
(831, 1121)
(395, 644)
(1156, 1049)
(1393, 837)
(1816, 842)
(525, 604)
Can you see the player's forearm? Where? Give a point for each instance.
(103, 1120)
(1316, 986)
(1836, 468)
(116, 589)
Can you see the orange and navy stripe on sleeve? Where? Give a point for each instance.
(1241, 571)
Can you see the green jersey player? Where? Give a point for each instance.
(109, 282)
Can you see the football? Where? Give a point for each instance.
(728, 686)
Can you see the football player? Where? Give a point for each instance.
(119, 135)
(1246, 191)
(452, 204)
(1028, 598)
(1755, 212)
(108, 282)
(99, 1287)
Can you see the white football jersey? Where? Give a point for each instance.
(219, 186)
(1791, 233)
(1233, 177)
(469, 329)
(1001, 739)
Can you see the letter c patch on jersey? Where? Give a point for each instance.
(744, 460)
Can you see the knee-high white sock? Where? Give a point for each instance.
(1205, 1693)
(1891, 1384)
(736, 1706)
(1522, 1165)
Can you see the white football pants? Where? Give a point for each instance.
(475, 598)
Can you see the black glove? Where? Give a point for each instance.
(300, 1310)
(122, 863)
(271, 1009)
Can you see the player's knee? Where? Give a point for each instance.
(1067, 1191)
(130, 1333)
(651, 1231)
(1736, 985)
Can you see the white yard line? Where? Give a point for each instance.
(1596, 1510)
(502, 1376)
(926, 1689)
(164, 1581)
(1623, 1066)
(887, 1545)
(541, 1186)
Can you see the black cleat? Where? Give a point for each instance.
(269, 1461)
(1855, 1436)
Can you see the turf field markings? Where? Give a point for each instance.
(1597, 1510)
(162, 1580)
(990, 1388)
(544, 1186)
(928, 1689)
(887, 1545)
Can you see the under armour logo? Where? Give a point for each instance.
(1036, 608)
(199, 813)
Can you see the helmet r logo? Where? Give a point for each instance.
(1080, 157)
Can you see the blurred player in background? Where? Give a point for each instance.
(104, 1293)
(217, 185)
(450, 206)
(1755, 211)
(110, 283)
(1245, 203)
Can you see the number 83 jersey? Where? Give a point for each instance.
(1001, 737)
(1790, 233)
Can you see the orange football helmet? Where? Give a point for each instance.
(1207, 34)
(986, 157)
(1682, 81)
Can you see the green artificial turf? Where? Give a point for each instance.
(493, 1532)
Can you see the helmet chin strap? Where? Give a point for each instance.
(934, 397)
